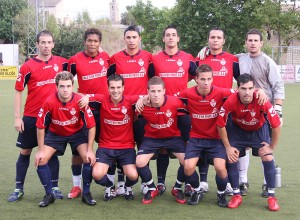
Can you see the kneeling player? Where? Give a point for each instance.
(116, 136)
(249, 128)
(66, 125)
(204, 102)
(161, 131)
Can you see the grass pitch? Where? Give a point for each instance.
(254, 206)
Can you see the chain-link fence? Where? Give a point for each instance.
(288, 61)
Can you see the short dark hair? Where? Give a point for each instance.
(204, 68)
(155, 80)
(244, 78)
(92, 31)
(171, 26)
(44, 33)
(115, 77)
(216, 29)
(132, 28)
(254, 31)
(64, 75)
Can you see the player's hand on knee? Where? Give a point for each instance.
(90, 158)
(38, 158)
(19, 125)
(265, 150)
(232, 154)
(203, 53)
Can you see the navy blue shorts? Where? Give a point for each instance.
(242, 139)
(28, 139)
(122, 156)
(152, 145)
(184, 125)
(207, 149)
(59, 143)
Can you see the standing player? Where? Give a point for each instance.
(161, 131)
(266, 76)
(204, 102)
(175, 67)
(133, 65)
(67, 124)
(38, 74)
(225, 67)
(249, 128)
(90, 66)
(116, 136)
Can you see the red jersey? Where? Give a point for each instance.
(174, 70)
(91, 72)
(134, 70)
(162, 121)
(116, 121)
(204, 110)
(225, 66)
(250, 117)
(65, 118)
(39, 76)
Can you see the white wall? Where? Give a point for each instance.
(10, 54)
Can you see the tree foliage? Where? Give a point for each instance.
(195, 18)
(8, 10)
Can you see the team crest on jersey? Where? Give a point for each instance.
(101, 62)
(223, 61)
(141, 62)
(253, 113)
(55, 67)
(73, 111)
(179, 62)
(124, 110)
(168, 113)
(213, 103)
(41, 112)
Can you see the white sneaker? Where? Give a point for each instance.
(229, 190)
(144, 188)
(204, 187)
(121, 189)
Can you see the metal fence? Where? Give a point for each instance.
(284, 55)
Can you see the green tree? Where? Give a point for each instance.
(8, 10)
(153, 21)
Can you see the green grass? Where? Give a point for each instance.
(254, 206)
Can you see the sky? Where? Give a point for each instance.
(100, 8)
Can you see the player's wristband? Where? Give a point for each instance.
(278, 109)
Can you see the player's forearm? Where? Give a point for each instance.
(40, 138)
(223, 136)
(17, 106)
(91, 137)
(275, 137)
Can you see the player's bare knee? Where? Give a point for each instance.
(25, 151)
(267, 158)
